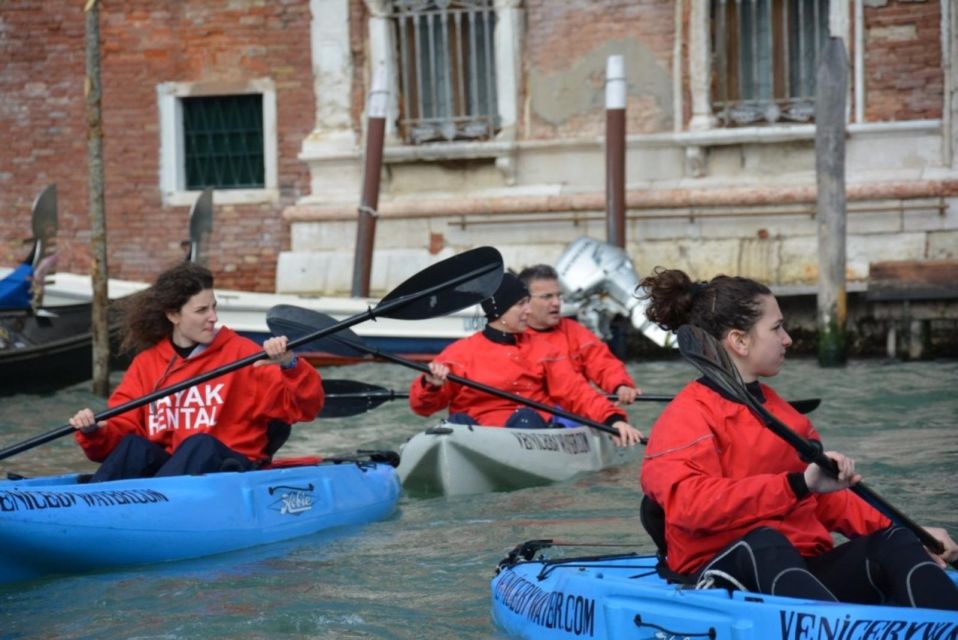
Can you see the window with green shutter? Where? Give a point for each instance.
(223, 142)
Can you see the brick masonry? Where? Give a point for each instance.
(903, 75)
(144, 43)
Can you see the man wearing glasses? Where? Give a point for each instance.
(589, 355)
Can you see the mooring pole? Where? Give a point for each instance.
(99, 322)
(615, 92)
(830, 97)
(372, 167)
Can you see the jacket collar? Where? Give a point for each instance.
(499, 337)
(754, 388)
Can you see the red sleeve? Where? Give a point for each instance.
(570, 390)
(599, 363)
(683, 472)
(424, 399)
(845, 512)
(291, 395)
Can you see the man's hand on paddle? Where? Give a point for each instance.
(628, 436)
(626, 394)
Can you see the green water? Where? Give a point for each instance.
(425, 572)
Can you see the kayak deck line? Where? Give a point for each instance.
(56, 525)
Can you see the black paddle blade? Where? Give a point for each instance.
(352, 398)
(334, 387)
(455, 283)
(295, 322)
(805, 406)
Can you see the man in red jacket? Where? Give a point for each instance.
(501, 356)
(587, 353)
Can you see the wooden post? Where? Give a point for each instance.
(372, 167)
(830, 98)
(99, 322)
(615, 92)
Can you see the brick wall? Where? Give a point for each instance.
(903, 76)
(41, 116)
(144, 43)
(566, 45)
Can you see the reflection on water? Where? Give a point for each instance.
(426, 571)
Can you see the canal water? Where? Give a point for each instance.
(425, 572)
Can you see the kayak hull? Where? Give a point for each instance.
(454, 459)
(623, 597)
(53, 525)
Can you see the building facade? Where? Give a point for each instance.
(494, 132)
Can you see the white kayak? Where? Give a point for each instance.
(454, 459)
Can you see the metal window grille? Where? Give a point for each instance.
(447, 69)
(223, 142)
(765, 58)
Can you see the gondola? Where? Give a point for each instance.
(43, 348)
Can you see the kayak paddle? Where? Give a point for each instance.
(290, 320)
(352, 398)
(702, 350)
(447, 286)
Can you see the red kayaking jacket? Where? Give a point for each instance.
(532, 369)
(587, 354)
(234, 408)
(719, 473)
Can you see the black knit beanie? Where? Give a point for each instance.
(511, 290)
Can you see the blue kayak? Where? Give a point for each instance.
(623, 597)
(56, 525)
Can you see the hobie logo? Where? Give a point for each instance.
(293, 500)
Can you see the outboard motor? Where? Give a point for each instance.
(600, 281)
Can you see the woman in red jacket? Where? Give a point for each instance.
(501, 356)
(220, 424)
(741, 509)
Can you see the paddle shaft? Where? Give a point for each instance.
(379, 395)
(381, 309)
(810, 452)
(466, 382)
(389, 394)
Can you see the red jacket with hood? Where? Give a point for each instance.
(719, 473)
(532, 369)
(235, 408)
(587, 354)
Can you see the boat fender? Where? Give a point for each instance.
(711, 633)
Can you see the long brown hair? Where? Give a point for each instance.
(144, 314)
(718, 306)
